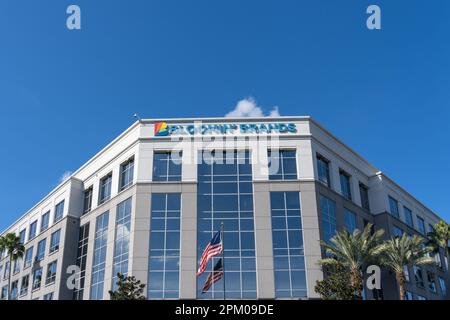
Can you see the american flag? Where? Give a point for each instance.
(213, 248)
(214, 276)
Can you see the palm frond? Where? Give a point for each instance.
(329, 262)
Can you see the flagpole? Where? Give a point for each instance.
(223, 258)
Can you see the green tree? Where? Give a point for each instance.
(402, 251)
(15, 249)
(336, 285)
(128, 288)
(353, 251)
(440, 237)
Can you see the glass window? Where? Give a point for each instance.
(408, 295)
(59, 211)
(345, 185)
(328, 213)
(98, 265)
(126, 174)
(83, 240)
(51, 272)
(105, 188)
(32, 231)
(21, 237)
(40, 250)
(54, 241)
(406, 273)
(37, 278)
(87, 203)
(282, 165)
(14, 289)
(24, 285)
(397, 232)
(443, 286)
(408, 217)
(393, 206)
(323, 170)
(418, 276)
(420, 225)
(225, 193)
(45, 220)
(421, 298)
(350, 220)
(364, 193)
(7, 269)
(164, 258)
(166, 166)
(17, 264)
(28, 257)
(287, 236)
(4, 294)
(121, 244)
(437, 258)
(48, 296)
(431, 281)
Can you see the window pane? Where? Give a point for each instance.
(328, 212)
(350, 220)
(45, 221)
(59, 211)
(364, 193)
(282, 165)
(287, 240)
(163, 281)
(290, 167)
(98, 265)
(105, 188)
(323, 170)
(87, 205)
(345, 185)
(121, 244)
(393, 204)
(165, 167)
(83, 240)
(225, 194)
(420, 225)
(174, 171)
(126, 174)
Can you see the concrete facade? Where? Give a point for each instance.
(139, 143)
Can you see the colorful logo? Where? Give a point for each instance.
(161, 129)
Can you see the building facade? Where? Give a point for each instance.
(149, 202)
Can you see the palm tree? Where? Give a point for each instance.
(15, 249)
(353, 251)
(402, 251)
(440, 237)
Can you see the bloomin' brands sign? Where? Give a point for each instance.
(162, 129)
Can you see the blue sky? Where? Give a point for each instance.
(66, 94)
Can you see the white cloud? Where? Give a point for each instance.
(274, 112)
(65, 176)
(249, 108)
